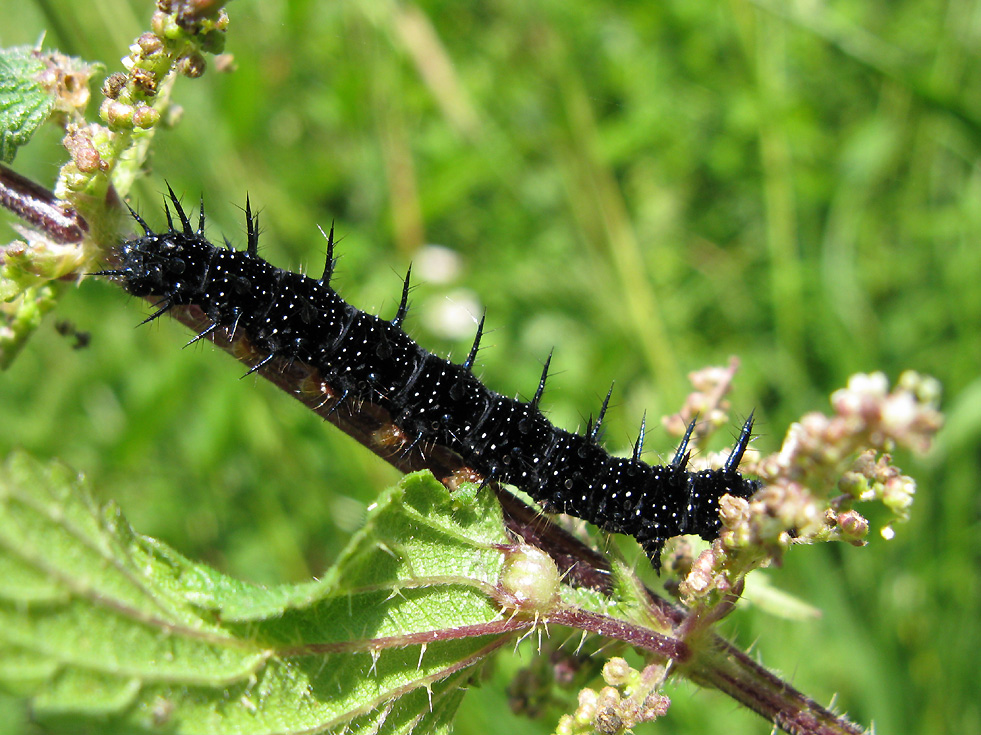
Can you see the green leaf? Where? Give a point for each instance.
(24, 102)
(105, 628)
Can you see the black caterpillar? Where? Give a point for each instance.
(429, 398)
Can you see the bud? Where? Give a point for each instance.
(117, 114)
(617, 672)
(149, 43)
(145, 117)
(853, 525)
(530, 580)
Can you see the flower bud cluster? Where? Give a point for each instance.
(826, 464)
(182, 33)
(630, 698)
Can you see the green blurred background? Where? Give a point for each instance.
(649, 188)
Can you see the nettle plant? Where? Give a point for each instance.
(104, 626)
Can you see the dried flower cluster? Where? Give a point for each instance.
(631, 697)
(133, 101)
(826, 463)
(71, 224)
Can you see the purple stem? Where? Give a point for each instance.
(39, 207)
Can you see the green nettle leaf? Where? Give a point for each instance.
(24, 102)
(103, 626)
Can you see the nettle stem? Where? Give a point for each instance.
(724, 667)
(40, 208)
